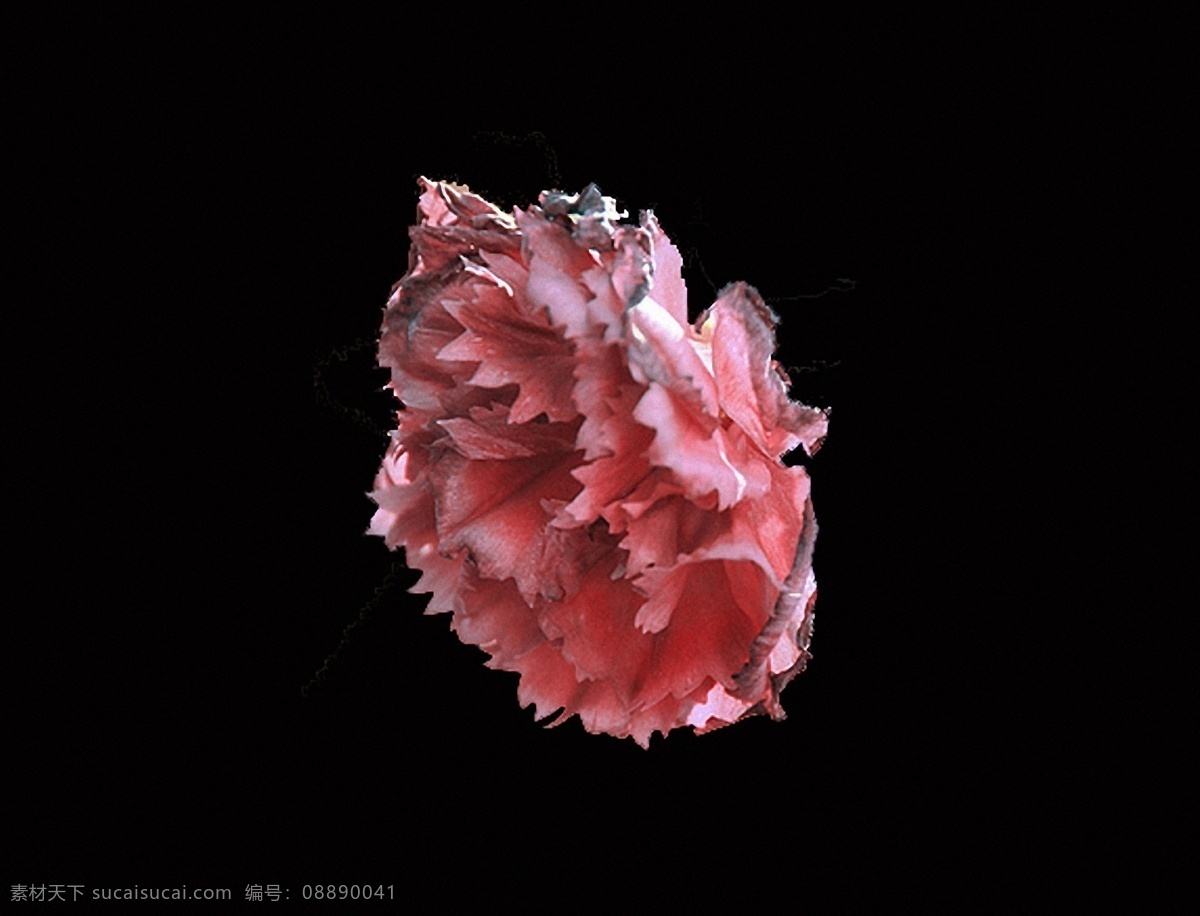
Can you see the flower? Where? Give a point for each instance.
(591, 485)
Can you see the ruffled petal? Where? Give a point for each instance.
(588, 483)
(511, 348)
(496, 511)
(752, 385)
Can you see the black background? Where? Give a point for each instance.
(225, 199)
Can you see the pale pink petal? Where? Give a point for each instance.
(753, 387)
(686, 442)
(669, 288)
(661, 352)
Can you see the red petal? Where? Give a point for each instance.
(496, 510)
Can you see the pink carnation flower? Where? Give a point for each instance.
(591, 485)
